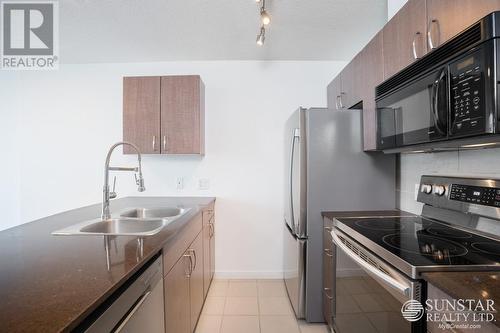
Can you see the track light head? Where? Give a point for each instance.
(261, 37)
(264, 16)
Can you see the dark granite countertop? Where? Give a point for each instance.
(468, 285)
(51, 283)
(366, 213)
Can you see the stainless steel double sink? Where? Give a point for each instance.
(131, 222)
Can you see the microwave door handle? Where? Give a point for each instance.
(435, 102)
(401, 287)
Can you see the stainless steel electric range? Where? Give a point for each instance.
(379, 259)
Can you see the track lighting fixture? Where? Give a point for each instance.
(265, 19)
(261, 37)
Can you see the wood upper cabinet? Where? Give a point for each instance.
(404, 37)
(141, 114)
(182, 114)
(177, 297)
(333, 92)
(446, 18)
(164, 115)
(197, 295)
(372, 68)
(352, 81)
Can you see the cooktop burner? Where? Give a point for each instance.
(421, 242)
(448, 232)
(426, 245)
(487, 247)
(379, 224)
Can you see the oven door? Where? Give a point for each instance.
(416, 113)
(369, 293)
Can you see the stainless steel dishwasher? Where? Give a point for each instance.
(139, 308)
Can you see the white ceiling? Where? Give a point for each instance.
(166, 30)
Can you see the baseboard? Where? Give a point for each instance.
(248, 275)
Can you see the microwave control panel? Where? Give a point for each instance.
(487, 196)
(467, 98)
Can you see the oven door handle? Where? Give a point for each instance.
(401, 287)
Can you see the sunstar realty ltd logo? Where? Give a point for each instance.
(451, 313)
(30, 35)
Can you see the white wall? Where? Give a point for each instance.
(67, 119)
(476, 163)
(393, 6)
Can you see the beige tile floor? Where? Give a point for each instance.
(251, 306)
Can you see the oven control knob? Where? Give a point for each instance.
(426, 188)
(439, 189)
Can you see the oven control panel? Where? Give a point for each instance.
(487, 196)
(467, 94)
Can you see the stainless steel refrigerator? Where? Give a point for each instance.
(326, 170)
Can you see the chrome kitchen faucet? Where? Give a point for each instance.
(139, 180)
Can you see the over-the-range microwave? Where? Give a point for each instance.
(447, 99)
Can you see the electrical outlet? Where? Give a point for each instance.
(204, 184)
(417, 189)
(180, 183)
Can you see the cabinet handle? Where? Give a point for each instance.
(193, 253)
(328, 253)
(165, 143)
(414, 45)
(340, 100)
(328, 228)
(211, 230)
(154, 142)
(326, 291)
(433, 44)
(188, 255)
(337, 107)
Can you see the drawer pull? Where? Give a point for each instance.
(328, 253)
(326, 291)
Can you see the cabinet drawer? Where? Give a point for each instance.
(174, 250)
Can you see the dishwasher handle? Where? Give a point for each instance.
(134, 309)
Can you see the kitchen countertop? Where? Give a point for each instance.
(51, 283)
(468, 285)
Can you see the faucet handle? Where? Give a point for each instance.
(113, 194)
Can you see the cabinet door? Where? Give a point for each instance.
(333, 93)
(446, 18)
(352, 79)
(212, 248)
(328, 267)
(177, 301)
(373, 74)
(196, 280)
(404, 37)
(207, 233)
(182, 115)
(141, 114)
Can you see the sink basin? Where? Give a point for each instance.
(148, 213)
(123, 227)
(132, 222)
(115, 227)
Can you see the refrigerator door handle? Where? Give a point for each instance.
(295, 136)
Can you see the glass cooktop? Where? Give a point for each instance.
(421, 242)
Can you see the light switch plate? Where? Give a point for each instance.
(204, 184)
(180, 183)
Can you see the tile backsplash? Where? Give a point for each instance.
(465, 163)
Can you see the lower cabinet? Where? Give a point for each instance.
(184, 282)
(177, 302)
(208, 248)
(197, 296)
(328, 266)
